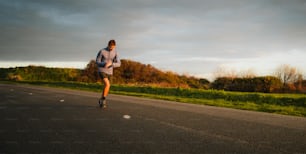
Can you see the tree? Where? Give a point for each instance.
(299, 83)
(222, 83)
(247, 73)
(90, 73)
(287, 74)
(223, 72)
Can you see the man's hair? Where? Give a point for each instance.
(111, 43)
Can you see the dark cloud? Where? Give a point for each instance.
(73, 30)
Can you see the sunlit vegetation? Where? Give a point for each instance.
(286, 78)
(266, 93)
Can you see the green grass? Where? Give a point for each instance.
(288, 104)
(262, 107)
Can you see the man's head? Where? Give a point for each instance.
(111, 44)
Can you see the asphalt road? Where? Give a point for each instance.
(49, 120)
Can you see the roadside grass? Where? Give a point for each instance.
(287, 104)
(263, 107)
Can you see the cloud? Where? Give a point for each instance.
(168, 33)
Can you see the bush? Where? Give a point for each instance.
(265, 84)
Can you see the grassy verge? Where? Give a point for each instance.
(252, 106)
(288, 104)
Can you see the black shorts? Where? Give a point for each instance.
(104, 75)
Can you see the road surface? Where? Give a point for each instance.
(50, 120)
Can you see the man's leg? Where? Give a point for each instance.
(106, 87)
(102, 101)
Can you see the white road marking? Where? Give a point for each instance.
(126, 116)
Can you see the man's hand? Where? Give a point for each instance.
(108, 64)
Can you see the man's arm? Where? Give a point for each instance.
(116, 61)
(99, 61)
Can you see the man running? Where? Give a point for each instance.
(107, 59)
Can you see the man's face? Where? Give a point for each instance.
(111, 47)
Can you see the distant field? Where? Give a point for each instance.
(288, 104)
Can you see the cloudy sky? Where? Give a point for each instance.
(195, 37)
